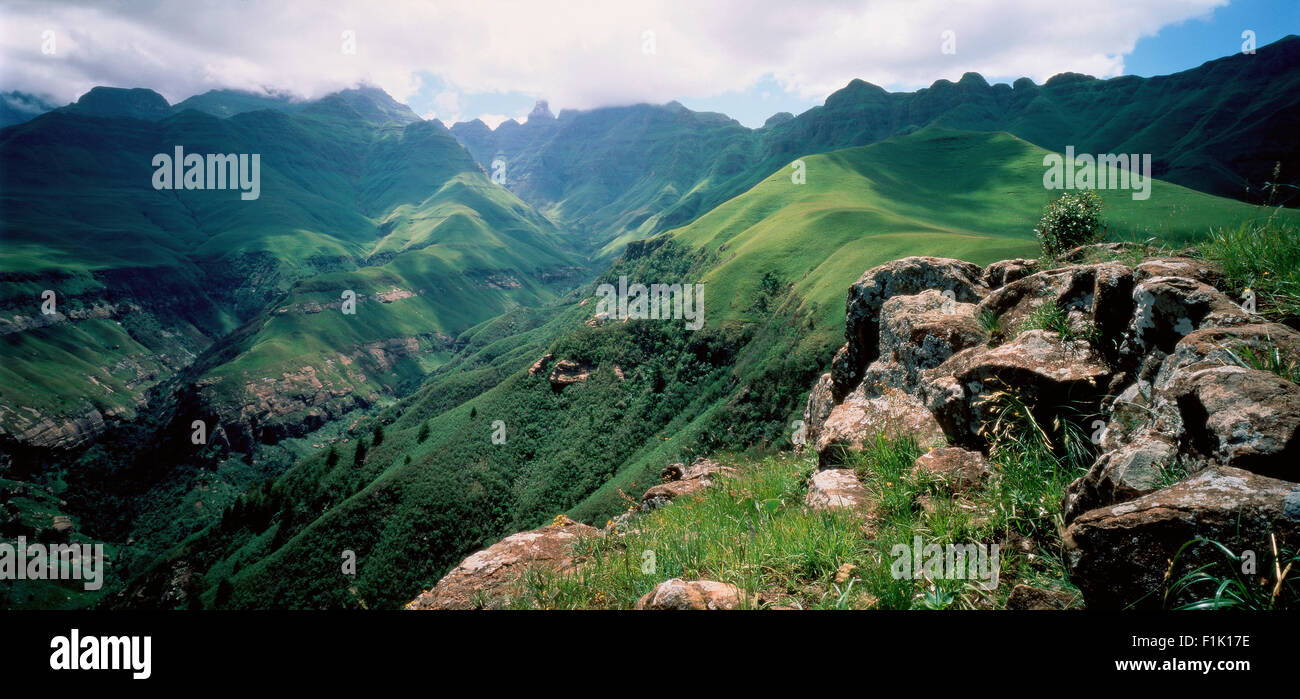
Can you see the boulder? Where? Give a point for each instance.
(1166, 309)
(693, 594)
(1118, 556)
(894, 414)
(919, 332)
(1245, 418)
(1097, 295)
(910, 275)
(1045, 371)
(1226, 346)
(1185, 267)
(820, 404)
(683, 480)
(836, 489)
(1004, 272)
(957, 469)
(491, 576)
(1130, 470)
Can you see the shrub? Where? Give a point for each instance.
(1073, 219)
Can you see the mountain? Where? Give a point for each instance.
(227, 103)
(607, 171)
(354, 195)
(623, 173)
(591, 410)
(116, 102)
(17, 107)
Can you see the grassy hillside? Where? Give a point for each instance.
(973, 196)
(625, 173)
(350, 199)
(435, 486)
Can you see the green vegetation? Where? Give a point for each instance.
(1222, 584)
(733, 387)
(1261, 256)
(752, 531)
(622, 174)
(1071, 220)
(1267, 358)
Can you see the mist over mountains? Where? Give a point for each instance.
(470, 254)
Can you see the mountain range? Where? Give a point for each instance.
(474, 298)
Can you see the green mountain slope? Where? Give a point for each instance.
(624, 173)
(974, 196)
(436, 487)
(350, 199)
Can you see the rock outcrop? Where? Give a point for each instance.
(694, 594)
(837, 489)
(1195, 405)
(680, 480)
(491, 576)
(1124, 555)
(955, 468)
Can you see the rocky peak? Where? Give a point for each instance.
(541, 111)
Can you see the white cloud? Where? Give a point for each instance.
(576, 54)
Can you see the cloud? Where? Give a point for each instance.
(578, 54)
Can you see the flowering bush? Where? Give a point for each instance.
(1072, 220)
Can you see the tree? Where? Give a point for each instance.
(359, 457)
(379, 435)
(424, 432)
(332, 458)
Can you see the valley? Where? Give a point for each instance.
(355, 331)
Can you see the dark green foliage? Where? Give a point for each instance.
(1073, 219)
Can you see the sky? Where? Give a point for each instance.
(749, 59)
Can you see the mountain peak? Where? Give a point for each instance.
(541, 110)
(135, 103)
(778, 118)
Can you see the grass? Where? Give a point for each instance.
(1266, 358)
(909, 195)
(1222, 584)
(1261, 256)
(991, 323)
(752, 531)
